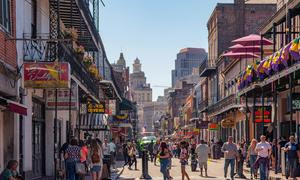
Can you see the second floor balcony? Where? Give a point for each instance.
(206, 69)
(224, 104)
(39, 49)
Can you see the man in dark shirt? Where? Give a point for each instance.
(293, 156)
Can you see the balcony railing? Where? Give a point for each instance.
(202, 105)
(77, 14)
(206, 69)
(223, 103)
(38, 49)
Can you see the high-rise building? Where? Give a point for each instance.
(187, 59)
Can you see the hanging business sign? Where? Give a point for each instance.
(213, 126)
(65, 100)
(98, 108)
(296, 101)
(111, 107)
(202, 124)
(47, 75)
(263, 113)
(227, 123)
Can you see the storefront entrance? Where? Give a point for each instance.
(38, 140)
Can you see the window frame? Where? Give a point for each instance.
(5, 22)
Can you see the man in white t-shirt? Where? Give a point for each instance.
(263, 150)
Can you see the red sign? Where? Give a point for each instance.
(213, 126)
(263, 111)
(47, 75)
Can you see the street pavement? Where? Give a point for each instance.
(215, 171)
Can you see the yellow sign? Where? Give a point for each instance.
(96, 108)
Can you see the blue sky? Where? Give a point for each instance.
(154, 31)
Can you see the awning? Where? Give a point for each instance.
(188, 137)
(14, 106)
(125, 104)
(109, 90)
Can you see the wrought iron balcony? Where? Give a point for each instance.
(77, 14)
(206, 69)
(38, 49)
(203, 105)
(225, 103)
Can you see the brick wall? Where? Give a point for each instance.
(255, 15)
(8, 51)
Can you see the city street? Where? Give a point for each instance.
(87, 83)
(215, 171)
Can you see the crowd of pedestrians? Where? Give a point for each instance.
(91, 157)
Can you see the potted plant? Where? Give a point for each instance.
(94, 72)
(79, 51)
(70, 33)
(88, 60)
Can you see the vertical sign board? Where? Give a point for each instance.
(47, 75)
(263, 112)
(63, 98)
(110, 107)
(296, 101)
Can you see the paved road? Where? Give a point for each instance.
(215, 171)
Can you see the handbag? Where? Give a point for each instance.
(80, 168)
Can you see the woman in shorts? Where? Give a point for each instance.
(184, 159)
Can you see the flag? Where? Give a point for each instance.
(295, 49)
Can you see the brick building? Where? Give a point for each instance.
(176, 100)
(228, 22)
(9, 119)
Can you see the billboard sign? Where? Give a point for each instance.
(47, 75)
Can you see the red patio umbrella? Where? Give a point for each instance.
(231, 54)
(241, 48)
(252, 40)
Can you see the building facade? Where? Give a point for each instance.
(227, 22)
(141, 93)
(187, 59)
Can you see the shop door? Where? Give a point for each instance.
(38, 140)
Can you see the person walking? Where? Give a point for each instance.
(252, 156)
(156, 150)
(240, 160)
(164, 154)
(125, 153)
(230, 154)
(96, 159)
(83, 157)
(202, 151)
(72, 156)
(150, 150)
(132, 155)
(293, 157)
(184, 156)
(263, 149)
(112, 151)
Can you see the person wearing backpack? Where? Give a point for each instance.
(96, 156)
